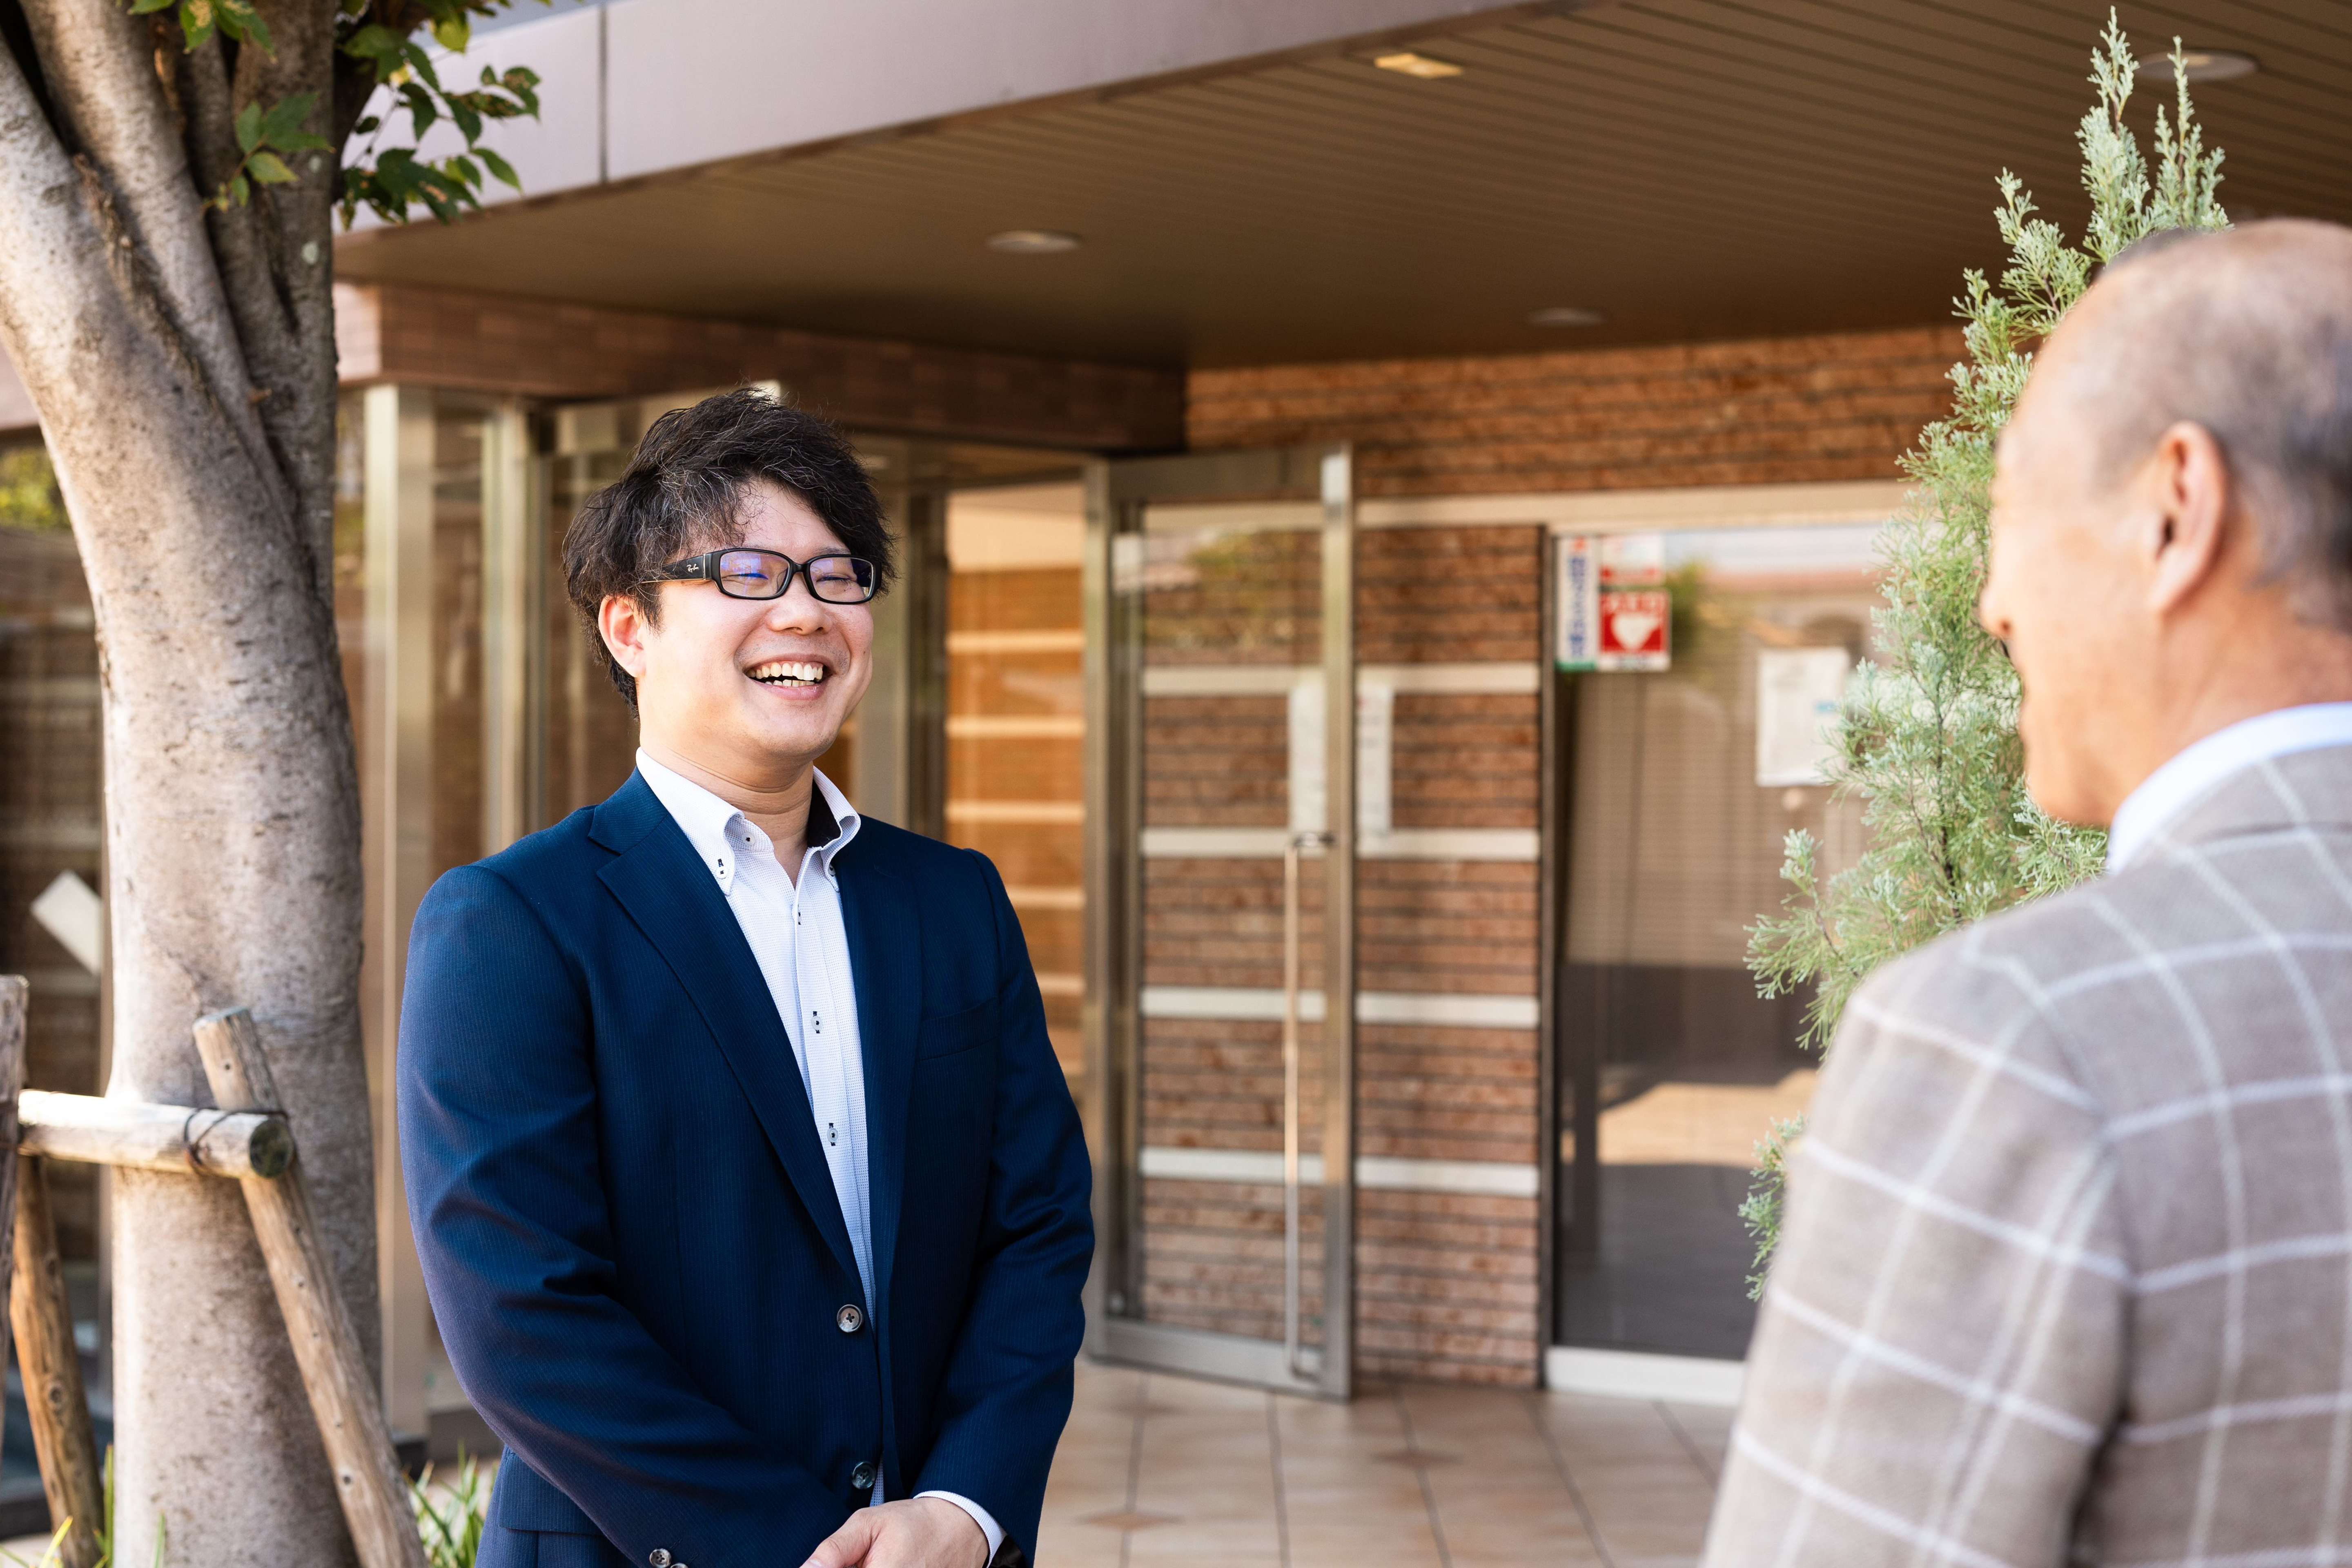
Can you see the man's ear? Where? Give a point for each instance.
(2188, 484)
(623, 626)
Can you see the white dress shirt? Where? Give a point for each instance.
(2196, 770)
(795, 930)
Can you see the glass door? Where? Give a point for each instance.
(1220, 957)
(1681, 782)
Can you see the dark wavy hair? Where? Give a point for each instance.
(683, 493)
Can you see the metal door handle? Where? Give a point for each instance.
(1290, 851)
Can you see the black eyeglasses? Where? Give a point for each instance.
(743, 573)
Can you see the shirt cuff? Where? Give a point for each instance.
(980, 1516)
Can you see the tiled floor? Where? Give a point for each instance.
(1157, 1471)
(1165, 1470)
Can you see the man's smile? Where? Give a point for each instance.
(790, 672)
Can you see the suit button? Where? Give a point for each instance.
(659, 1557)
(861, 1478)
(850, 1319)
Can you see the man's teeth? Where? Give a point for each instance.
(787, 672)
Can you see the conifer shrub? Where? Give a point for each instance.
(1926, 739)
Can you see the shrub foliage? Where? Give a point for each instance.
(1927, 739)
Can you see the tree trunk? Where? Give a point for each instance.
(182, 365)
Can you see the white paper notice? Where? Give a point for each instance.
(1797, 694)
(70, 910)
(1307, 756)
(1375, 726)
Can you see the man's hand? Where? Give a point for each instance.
(919, 1533)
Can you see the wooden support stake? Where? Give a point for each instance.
(43, 1322)
(14, 992)
(342, 1394)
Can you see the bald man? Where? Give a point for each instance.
(2067, 1271)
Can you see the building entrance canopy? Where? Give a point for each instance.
(1686, 169)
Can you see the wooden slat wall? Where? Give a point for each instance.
(1036, 773)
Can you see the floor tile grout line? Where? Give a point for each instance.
(1420, 1473)
(1135, 1465)
(1684, 1438)
(1281, 1499)
(1559, 1467)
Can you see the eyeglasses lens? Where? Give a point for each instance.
(750, 574)
(758, 574)
(841, 579)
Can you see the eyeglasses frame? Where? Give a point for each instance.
(704, 568)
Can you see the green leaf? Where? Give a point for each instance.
(469, 121)
(454, 32)
(523, 82)
(367, 123)
(196, 23)
(422, 111)
(373, 42)
(147, 7)
(239, 190)
(397, 172)
(249, 127)
(498, 167)
(269, 169)
(285, 118)
(419, 62)
(241, 22)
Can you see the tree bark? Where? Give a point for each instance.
(232, 797)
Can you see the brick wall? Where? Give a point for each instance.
(539, 348)
(1762, 411)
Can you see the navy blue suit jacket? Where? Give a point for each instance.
(631, 1241)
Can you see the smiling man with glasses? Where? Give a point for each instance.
(751, 1200)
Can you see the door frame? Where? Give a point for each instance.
(1117, 494)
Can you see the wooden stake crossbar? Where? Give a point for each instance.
(176, 1138)
(246, 1138)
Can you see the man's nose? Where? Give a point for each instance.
(797, 607)
(1992, 611)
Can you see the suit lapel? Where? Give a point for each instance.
(885, 962)
(678, 907)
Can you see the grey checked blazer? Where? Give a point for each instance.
(2068, 1262)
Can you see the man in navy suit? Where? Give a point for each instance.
(752, 1205)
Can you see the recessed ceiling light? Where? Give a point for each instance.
(1429, 68)
(1033, 241)
(2202, 65)
(1565, 316)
